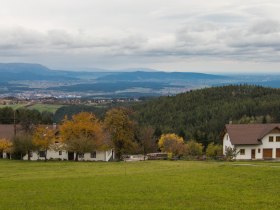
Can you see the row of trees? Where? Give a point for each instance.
(84, 132)
(26, 117)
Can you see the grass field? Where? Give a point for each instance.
(40, 107)
(139, 185)
(45, 107)
(14, 106)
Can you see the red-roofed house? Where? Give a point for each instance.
(253, 141)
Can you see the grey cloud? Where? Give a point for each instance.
(249, 41)
(265, 27)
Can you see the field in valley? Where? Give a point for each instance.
(139, 185)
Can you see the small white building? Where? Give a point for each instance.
(253, 141)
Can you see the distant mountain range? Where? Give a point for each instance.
(19, 78)
(26, 71)
(160, 76)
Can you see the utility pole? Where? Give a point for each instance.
(15, 126)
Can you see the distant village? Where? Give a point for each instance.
(62, 101)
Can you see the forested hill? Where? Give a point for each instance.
(202, 114)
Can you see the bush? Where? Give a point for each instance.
(193, 149)
(214, 150)
(231, 153)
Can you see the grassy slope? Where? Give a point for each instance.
(139, 185)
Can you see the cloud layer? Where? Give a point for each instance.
(145, 33)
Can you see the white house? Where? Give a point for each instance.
(253, 141)
(65, 155)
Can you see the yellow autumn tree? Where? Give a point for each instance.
(43, 138)
(83, 133)
(171, 143)
(5, 146)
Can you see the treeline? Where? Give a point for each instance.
(9, 115)
(84, 133)
(202, 114)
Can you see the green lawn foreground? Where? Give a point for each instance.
(139, 185)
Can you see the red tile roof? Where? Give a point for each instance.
(7, 131)
(242, 134)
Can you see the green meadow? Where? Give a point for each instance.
(45, 107)
(40, 107)
(139, 185)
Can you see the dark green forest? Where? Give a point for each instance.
(202, 114)
(27, 118)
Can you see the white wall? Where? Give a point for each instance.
(247, 155)
(100, 156)
(226, 143)
(51, 154)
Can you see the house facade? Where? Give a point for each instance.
(65, 155)
(253, 141)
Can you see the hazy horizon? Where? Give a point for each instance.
(134, 69)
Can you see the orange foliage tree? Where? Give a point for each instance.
(43, 138)
(83, 133)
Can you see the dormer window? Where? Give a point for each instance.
(277, 138)
(271, 138)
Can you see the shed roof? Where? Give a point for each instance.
(249, 134)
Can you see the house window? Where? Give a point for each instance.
(259, 150)
(60, 152)
(242, 151)
(81, 155)
(42, 153)
(277, 138)
(93, 154)
(271, 139)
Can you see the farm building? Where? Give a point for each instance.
(253, 141)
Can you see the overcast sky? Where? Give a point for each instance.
(173, 35)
